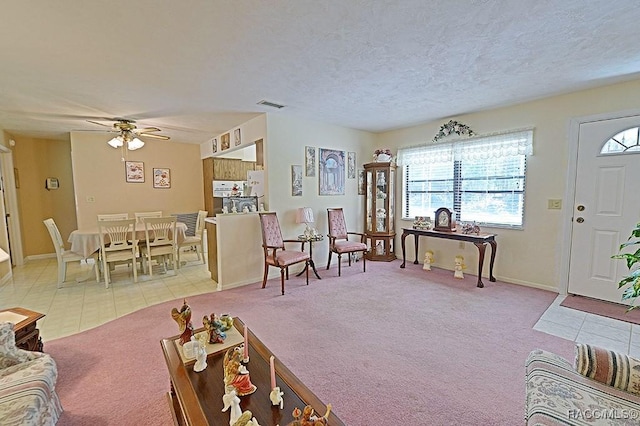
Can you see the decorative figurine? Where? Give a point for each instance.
(183, 318)
(246, 419)
(225, 209)
(428, 260)
(306, 417)
(261, 207)
(189, 348)
(459, 266)
(226, 321)
(245, 209)
(214, 328)
(469, 228)
(235, 374)
(276, 397)
(201, 356)
(231, 401)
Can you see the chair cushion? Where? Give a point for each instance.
(611, 368)
(286, 258)
(348, 246)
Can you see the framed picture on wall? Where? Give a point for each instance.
(225, 141)
(310, 161)
(351, 165)
(214, 145)
(331, 177)
(296, 181)
(161, 178)
(360, 182)
(134, 171)
(236, 137)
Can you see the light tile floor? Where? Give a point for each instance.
(79, 306)
(582, 327)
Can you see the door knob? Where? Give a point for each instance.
(580, 220)
(580, 208)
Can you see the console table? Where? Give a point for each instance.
(479, 241)
(196, 398)
(24, 320)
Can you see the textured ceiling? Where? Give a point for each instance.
(197, 68)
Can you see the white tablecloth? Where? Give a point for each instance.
(87, 241)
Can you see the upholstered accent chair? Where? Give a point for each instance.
(275, 253)
(339, 242)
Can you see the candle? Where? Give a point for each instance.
(273, 372)
(246, 342)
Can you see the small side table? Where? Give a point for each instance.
(24, 320)
(305, 239)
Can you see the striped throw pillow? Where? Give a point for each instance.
(611, 368)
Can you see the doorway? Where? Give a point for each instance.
(605, 208)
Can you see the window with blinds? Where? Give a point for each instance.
(480, 179)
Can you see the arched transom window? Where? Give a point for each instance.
(622, 143)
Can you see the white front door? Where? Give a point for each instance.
(605, 210)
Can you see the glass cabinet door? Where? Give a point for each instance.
(369, 207)
(381, 194)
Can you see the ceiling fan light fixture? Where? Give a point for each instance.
(116, 142)
(134, 144)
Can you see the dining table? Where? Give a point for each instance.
(86, 241)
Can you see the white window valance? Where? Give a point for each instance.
(477, 148)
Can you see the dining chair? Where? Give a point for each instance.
(113, 216)
(339, 242)
(160, 242)
(66, 256)
(141, 215)
(118, 243)
(275, 253)
(197, 239)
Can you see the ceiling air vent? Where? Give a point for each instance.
(270, 104)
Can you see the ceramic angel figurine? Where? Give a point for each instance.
(428, 260)
(459, 266)
(235, 374)
(246, 419)
(183, 318)
(231, 401)
(307, 417)
(227, 322)
(276, 397)
(201, 357)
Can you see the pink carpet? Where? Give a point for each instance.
(385, 347)
(601, 307)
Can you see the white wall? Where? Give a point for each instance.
(285, 146)
(531, 256)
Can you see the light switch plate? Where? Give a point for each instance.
(554, 204)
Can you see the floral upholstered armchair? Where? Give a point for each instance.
(27, 384)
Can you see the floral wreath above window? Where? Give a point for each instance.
(453, 127)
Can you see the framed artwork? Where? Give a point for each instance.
(296, 180)
(360, 182)
(351, 165)
(161, 178)
(225, 141)
(331, 166)
(236, 137)
(134, 171)
(214, 145)
(309, 161)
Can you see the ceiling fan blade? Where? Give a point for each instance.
(147, 130)
(100, 124)
(147, 135)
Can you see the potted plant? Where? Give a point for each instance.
(633, 263)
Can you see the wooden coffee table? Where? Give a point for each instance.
(27, 335)
(196, 398)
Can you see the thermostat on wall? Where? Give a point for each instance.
(51, 183)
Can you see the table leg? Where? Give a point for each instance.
(311, 262)
(404, 253)
(415, 241)
(494, 247)
(481, 249)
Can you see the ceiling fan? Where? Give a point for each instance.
(129, 133)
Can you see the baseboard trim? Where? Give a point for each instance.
(39, 256)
